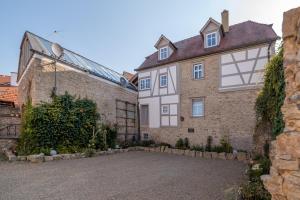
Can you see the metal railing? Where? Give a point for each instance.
(10, 131)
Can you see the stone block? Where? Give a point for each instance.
(199, 154)
(214, 155)
(286, 164)
(229, 156)
(48, 158)
(190, 153)
(222, 155)
(58, 157)
(21, 158)
(242, 156)
(65, 156)
(207, 155)
(36, 158)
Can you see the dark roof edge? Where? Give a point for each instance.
(206, 54)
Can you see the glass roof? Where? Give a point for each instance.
(80, 62)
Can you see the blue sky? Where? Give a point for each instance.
(121, 33)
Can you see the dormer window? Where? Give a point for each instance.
(163, 53)
(211, 39)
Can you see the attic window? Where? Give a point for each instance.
(163, 53)
(211, 39)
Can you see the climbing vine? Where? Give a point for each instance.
(271, 97)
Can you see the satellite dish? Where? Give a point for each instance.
(57, 50)
(123, 82)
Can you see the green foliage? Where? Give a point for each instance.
(225, 145)
(89, 152)
(271, 97)
(182, 143)
(197, 148)
(254, 191)
(64, 124)
(208, 146)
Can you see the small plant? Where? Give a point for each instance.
(165, 144)
(197, 148)
(179, 144)
(254, 190)
(226, 146)
(89, 152)
(209, 143)
(147, 143)
(186, 143)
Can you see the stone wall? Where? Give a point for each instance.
(284, 179)
(38, 82)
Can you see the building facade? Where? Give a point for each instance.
(205, 85)
(39, 76)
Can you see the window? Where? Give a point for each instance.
(198, 71)
(146, 136)
(197, 108)
(211, 39)
(145, 84)
(165, 109)
(144, 115)
(163, 80)
(163, 53)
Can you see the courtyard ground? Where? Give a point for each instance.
(126, 176)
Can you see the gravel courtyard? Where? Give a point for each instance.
(129, 176)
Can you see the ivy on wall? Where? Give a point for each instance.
(66, 122)
(271, 97)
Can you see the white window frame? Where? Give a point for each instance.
(163, 53)
(198, 100)
(163, 111)
(207, 39)
(160, 80)
(143, 85)
(197, 69)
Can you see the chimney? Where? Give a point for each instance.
(225, 20)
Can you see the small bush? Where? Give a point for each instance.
(209, 143)
(179, 144)
(186, 143)
(89, 152)
(254, 191)
(165, 144)
(197, 148)
(147, 143)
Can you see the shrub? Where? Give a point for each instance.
(254, 191)
(186, 143)
(197, 148)
(209, 143)
(89, 152)
(147, 143)
(179, 144)
(63, 124)
(165, 144)
(226, 146)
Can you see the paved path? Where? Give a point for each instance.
(126, 176)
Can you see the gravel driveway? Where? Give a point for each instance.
(126, 176)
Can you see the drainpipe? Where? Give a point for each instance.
(138, 119)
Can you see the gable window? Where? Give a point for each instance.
(211, 39)
(165, 109)
(163, 53)
(163, 80)
(198, 71)
(145, 84)
(198, 107)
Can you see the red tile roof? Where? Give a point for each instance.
(8, 93)
(239, 35)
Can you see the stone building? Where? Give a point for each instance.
(205, 85)
(39, 76)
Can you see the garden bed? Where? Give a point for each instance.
(240, 156)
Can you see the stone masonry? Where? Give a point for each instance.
(284, 179)
(38, 82)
